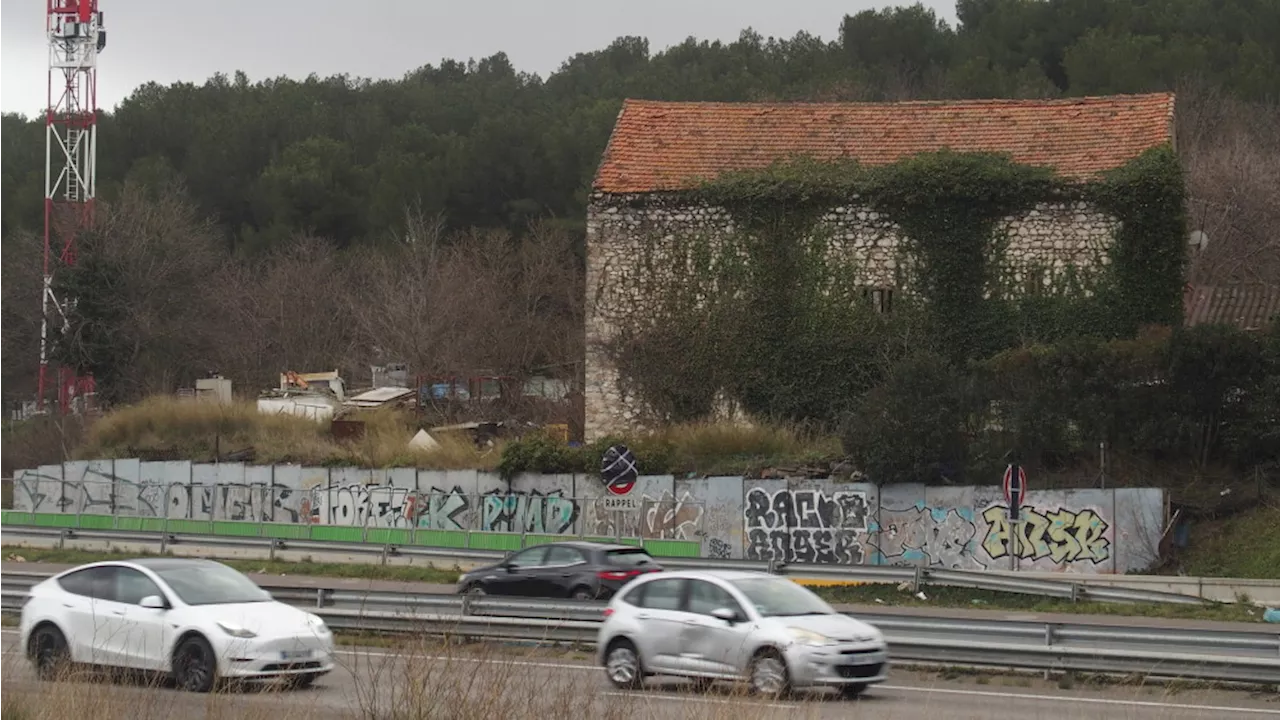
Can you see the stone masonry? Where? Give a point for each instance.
(1047, 239)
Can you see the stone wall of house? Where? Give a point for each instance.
(625, 235)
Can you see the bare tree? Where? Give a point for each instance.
(1231, 152)
(290, 310)
(143, 264)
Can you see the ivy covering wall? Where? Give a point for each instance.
(765, 315)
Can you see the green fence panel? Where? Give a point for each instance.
(531, 540)
(55, 520)
(13, 517)
(673, 548)
(97, 522)
(337, 533)
(153, 524)
(286, 531)
(441, 538)
(392, 536)
(183, 526)
(236, 529)
(130, 524)
(495, 541)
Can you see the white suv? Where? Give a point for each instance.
(763, 628)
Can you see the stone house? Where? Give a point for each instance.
(658, 149)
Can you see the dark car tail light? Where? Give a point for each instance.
(617, 574)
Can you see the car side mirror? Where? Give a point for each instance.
(725, 614)
(508, 567)
(153, 602)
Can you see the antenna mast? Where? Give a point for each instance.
(76, 36)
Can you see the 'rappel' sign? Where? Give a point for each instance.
(1015, 488)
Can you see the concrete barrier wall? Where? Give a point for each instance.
(800, 520)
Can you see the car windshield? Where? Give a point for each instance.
(213, 584)
(778, 597)
(630, 558)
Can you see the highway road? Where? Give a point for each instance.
(489, 682)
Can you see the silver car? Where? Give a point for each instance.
(766, 629)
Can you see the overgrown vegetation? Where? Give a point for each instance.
(967, 371)
(198, 431)
(693, 448)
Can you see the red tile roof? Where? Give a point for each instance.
(1248, 307)
(659, 146)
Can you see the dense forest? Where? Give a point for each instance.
(255, 227)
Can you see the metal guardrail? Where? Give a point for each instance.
(1229, 655)
(1074, 590)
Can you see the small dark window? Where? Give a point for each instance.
(880, 298)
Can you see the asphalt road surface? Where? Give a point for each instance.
(493, 683)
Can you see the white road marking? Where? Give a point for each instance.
(641, 695)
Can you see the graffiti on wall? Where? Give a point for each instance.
(1064, 536)
(719, 549)
(360, 504)
(805, 525)
(815, 521)
(668, 517)
(933, 537)
(439, 509)
(548, 513)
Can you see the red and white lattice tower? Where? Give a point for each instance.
(76, 36)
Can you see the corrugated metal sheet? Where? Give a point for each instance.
(1248, 307)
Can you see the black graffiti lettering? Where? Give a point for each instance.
(784, 509)
(805, 526)
(717, 548)
(757, 512)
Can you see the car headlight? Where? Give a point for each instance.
(809, 637)
(236, 630)
(317, 623)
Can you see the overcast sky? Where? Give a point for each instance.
(164, 41)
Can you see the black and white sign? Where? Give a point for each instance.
(1015, 488)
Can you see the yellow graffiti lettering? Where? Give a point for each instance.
(1065, 546)
(997, 542)
(1063, 535)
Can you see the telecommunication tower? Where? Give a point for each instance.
(76, 36)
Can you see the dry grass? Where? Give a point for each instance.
(199, 431)
(729, 448)
(423, 679)
(426, 677)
